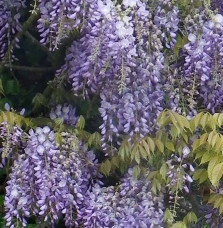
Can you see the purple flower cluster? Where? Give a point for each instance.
(217, 5)
(180, 172)
(65, 112)
(167, 20)
(19, 196)
(213, 219)
(58, 19)
(182, 94)
(114, 43)
(120, 55)
(131, 204)
(10, 13)
(104, 50)
(133, 112)
(204, 62)
(12, 140)
(49, 181)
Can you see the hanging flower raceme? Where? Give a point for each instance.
(167, 20)
(112, 45)
(106, 49)
(134, 109)
(204, 61)
(12, 141)
(50, 181)
(59, 18)
(131, 204)
(20, 193)
(10, 13)
(66, 112)
(180, 172)
(132, 113)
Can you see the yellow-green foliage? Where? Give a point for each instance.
(202, 135)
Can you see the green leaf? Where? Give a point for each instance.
(143, 152)
(170, 146)
(137, 156)
(182, 121)
(106, 167)
(39, 100)
(124, 151)
(185, 137)
(151, 144)
(80, 123)
(213, 162)
(218, 202)
(181, 41)
(1, 88)
(206, 157)
(190, 218)
(136, 172)
(11, 87)
(146, 146)
(156, 185)
(204, 120)
(159, 145)
(164, 170)
(221, 209)
(168, 216)
(115, 161)
(58, 138)
(179, 225)
(216, 174)
(58, 122)
(201, 175)
(220, 119)
(196, 121)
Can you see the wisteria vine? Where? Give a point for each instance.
(136, 58)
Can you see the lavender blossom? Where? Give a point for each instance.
(10, 13)
(58, 19)
(65, 112)
(217, 5)
(180, 172)
(133, 112)
(19, 199)
(50, 181)
(104, 50)
(134, 109)
(130, 205)
(167, 20)
(12, 141)
(204, 61)
(213, 219)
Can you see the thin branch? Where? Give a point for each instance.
(30, 69)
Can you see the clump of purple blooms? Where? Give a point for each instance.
(59, 18)
(120, 56)
(12, 138)
(204, 61)
(10, 13)
(130, 204)
(167, 20)
(217, 5)
(49, 181)
(180, 172)
(66, 112)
